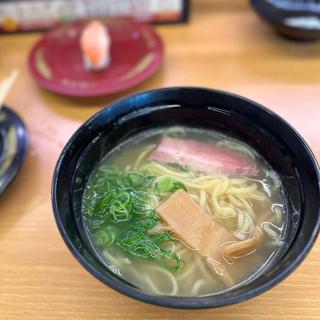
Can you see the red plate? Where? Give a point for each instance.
(56, 60)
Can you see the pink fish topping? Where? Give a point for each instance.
(95, 45)
(203, 157)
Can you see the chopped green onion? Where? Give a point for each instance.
(106, 236)
(168, 185)
(116, 208)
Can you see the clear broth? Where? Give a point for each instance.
(196, 278)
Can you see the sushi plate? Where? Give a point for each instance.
(56, 60)
(13, 146)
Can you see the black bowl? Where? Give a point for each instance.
(13, 146)
(265, 131)
(297, 20)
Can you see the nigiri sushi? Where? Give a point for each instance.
(95, 44)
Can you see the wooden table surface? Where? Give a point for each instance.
(225, 46)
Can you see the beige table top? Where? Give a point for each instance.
(225, 46)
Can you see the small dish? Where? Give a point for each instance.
(13, 146)
(297, 20)
(56, 60)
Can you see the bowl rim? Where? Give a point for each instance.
(181, 302)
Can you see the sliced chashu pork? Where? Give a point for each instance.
(203, 157)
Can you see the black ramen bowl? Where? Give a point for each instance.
(238, 117)
(294, 19)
